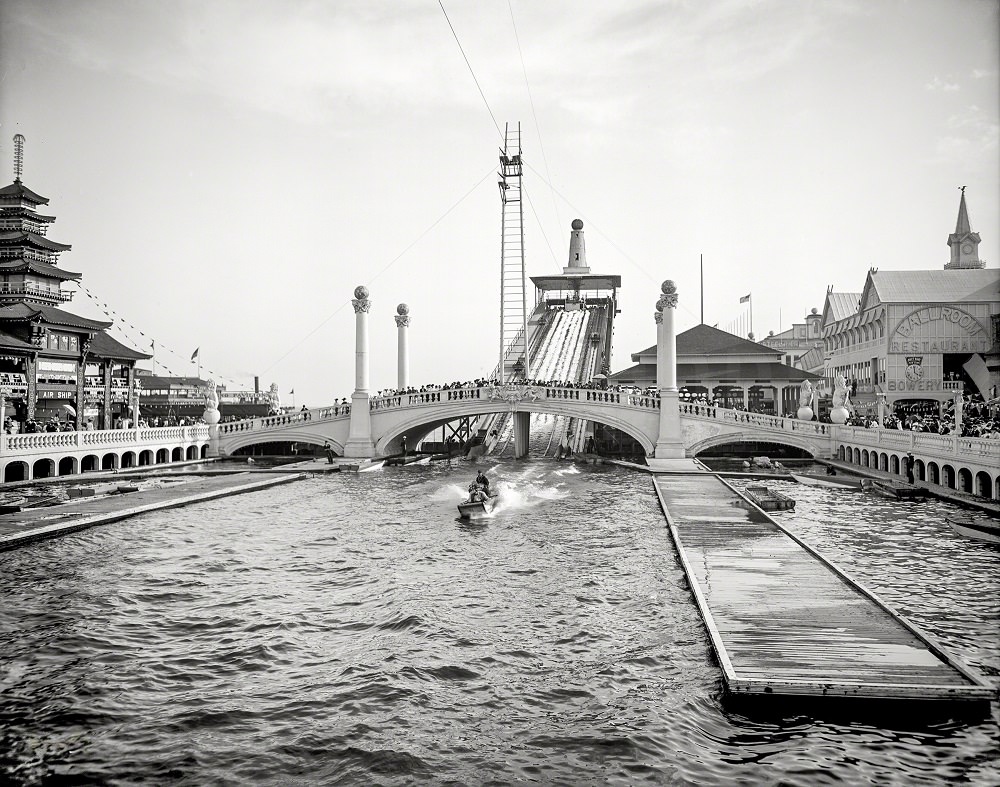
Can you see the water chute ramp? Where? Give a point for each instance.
(785, 622)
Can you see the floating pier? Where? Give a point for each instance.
(784, 621)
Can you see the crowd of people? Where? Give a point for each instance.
(977, 420)
(53, 424)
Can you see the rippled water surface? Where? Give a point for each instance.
(350, 629)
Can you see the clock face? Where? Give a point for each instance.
(967, 249)
(914, 372)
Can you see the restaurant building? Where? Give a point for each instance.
(916, 337)
(54, 365)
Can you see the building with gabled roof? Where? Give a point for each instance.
(53, 364)
(916, 337)
(726, 368)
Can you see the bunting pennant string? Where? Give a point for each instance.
(118, 322)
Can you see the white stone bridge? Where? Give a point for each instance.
(416, 415)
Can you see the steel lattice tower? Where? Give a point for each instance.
(513, 293)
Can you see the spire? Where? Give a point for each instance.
(962, 226)
(963, 241)
(18, 157)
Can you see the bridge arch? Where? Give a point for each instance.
(312, 437)
(790, 440)
(419, 422)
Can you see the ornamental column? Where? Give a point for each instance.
(402, 349)
(359, 438)
(669, 443)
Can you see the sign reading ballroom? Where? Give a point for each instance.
(938, 329)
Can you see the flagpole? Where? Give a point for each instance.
(701, 265)
(751, 314)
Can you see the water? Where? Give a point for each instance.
(349, 629)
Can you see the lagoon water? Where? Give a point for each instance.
(349, 629)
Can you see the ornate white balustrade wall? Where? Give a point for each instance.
(33, 447)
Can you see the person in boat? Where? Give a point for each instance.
(483, 482)
(831, 470)
(476, 493)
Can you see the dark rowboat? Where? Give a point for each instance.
(829, 482)
(769, 500)
(898, 489)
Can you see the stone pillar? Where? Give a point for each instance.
(880, 408)
(522, 431)
(136, 393)
(31, 378)
(959, 403)
(359, 438)
(746, 397)
(403, 350)
(669, 444)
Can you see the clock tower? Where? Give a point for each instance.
(964, 242)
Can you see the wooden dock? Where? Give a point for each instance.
(18, 529)
(784, 621)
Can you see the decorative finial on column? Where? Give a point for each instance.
(18, 156)
(360, 300)
(669, 298)
(402, 316)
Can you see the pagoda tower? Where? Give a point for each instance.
(29, 271)
(54, 365)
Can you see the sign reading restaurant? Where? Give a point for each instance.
(939, 329)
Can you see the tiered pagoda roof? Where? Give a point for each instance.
(17, 193)
(25, 238)
(29, 312)
(23, 265)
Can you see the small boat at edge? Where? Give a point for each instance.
(970, 528)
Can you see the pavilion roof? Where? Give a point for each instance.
(23, 312)
(706, 340)
(18, 191)
(104, 346)
(20, 264)
(23, 238)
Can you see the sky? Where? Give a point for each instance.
(228, 172)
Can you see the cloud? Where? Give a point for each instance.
(971, 135)
(939, 84)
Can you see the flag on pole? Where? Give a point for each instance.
(292, 392)
(195, 353)
(745, 298)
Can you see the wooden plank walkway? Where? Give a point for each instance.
(39, 523)
(784, 621)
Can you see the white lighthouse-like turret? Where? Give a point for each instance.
(577, 251)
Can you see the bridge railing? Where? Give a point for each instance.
(513, 393)
(267, 422)
(760, 420)
(33, 442)
(920, 442)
